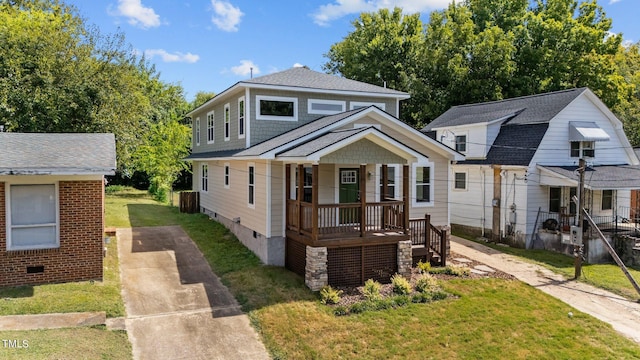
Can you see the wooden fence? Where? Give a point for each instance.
(190, 202)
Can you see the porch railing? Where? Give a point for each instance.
(424, 234)
(335, 220)
(621, 221)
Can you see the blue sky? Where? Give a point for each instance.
(209, 45)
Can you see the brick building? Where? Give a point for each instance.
(52, 206)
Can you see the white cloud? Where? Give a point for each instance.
(613, 1)
(226, 16)
(298, 65)
(138, 14)
(169, 57)
(245, 68)
(329, 12)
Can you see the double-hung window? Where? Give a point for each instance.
(607, 199)
(460, 181)
(227, 174)
(241, 114)
(32, 217)
(197, 125)
(392, 179)
(423, 185)
(461, 143)
(211, 127)
(227, 122)
(307, 189)
(204, 178)
(251, 186)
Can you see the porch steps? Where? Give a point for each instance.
(419, 252)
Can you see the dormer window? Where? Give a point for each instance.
(580, 149)
(461, 143)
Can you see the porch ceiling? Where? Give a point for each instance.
(605, 177)
(353, 146)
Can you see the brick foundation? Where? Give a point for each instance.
(79, 256)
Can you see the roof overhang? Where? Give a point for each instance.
(371, 133)
(586, 131)
(52, 171)
(604, 177)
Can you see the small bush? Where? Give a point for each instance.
(401, 286)
(371, 290)
(361, 307)
(329, 295)
(112, 189)
(401, 300)
(439, 295)
(423, 297)
(426, 282)
(451, 270)
(424, 267)
(340, 311)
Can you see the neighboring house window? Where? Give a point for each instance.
(211, 123)
(460, 181)
(423, 182)
(461, 143)
(204, 178)
(392, 173)
(241, 122)
(607, 199)
(227, 122)
(33, 217)
(581, 149)
(325, 107)
(359, 104)
(555, 197)
(197, 131)
(252, 185)
(227, 172)
(307, 191)
(277, 108)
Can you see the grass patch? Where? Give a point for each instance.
(492, 318)
(77, 343)
(605, 276)
(69, 297)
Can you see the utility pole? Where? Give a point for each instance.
(578, 250)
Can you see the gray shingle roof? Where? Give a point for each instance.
(296, 133)
(70, 154)
(533, 109)
(603, 177)
(514, 145)
(301, 77)
(321, 142)
(213, 154)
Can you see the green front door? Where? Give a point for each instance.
(349, 193)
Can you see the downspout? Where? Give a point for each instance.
(483, 221)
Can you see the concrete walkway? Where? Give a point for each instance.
(177, 308)
(621, 313)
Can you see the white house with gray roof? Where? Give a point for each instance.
(521, 165)
(308, 168)
(52, 206)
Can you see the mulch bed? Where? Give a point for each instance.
(352, 295)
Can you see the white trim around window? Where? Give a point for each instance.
(227, 122)
(204, 178)
(426, 198)
(360, 104)
(277, 99)
(394, 183)
(325, 107)
(32, 215)
(211, 127)
(251, 185)
(227, 176)
(460, 180)
(242, 105)
(197, 126)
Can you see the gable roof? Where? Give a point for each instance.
(514, 145)
(302, 79)
(532, 109)
(57, 154)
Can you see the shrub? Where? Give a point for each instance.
(371, 290)
(112, 189)
(361, 307)
(451, 270)
(329, 295)
(426, 282)
(401, 286)
(401, 300)
(340, 311)
(424, 267)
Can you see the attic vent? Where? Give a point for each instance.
(35, 269)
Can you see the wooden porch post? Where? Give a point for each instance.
(299, 196)
(363, 199)
(314, 202)
(405, 196)
(427, 235)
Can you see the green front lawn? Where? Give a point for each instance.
(491, 318)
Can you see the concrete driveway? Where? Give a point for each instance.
(177, 308)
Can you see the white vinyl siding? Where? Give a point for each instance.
(32, 216)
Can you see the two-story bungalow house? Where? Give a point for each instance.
(521, 165)
(317, 173)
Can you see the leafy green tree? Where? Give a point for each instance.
(628, 110)
(201, 98)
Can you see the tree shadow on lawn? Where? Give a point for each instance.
(16, 292)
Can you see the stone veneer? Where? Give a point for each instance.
(316, 275)
(404, 258)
